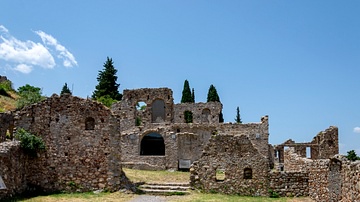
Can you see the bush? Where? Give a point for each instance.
(30, 143)
(273, 194)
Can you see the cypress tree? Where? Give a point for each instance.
(237, 118)
(186, 93)
(193, 95)
(212, 94)
(65, 89)
(107, 86)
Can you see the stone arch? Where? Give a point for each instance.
(205, 114)
(158, 111)
(89, 123)
(248, 173)
(152, 144)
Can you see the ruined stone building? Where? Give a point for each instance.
(87, 144)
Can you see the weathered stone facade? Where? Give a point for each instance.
(82, 145)
(87, 144)
(246, 170)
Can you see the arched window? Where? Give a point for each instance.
(205, 114)
(247, 173)
(89, 123)
(158, 111)
(152, 144)
(188, 116)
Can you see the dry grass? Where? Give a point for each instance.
(156, 176)
(8, 103)
(81, 197)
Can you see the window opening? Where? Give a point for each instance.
(220, 174)
(247, 173)
(188, 116)
(158, 111)
(89, 123)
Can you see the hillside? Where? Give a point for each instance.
(8, 96)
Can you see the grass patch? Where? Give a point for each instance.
(156, 176)
(80, 197)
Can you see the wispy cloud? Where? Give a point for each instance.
(23, 56)
(356, 130)
(64, 54)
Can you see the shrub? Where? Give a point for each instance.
(30, 143)
(273, 194)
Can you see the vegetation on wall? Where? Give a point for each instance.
(30, 143)
(107, 90)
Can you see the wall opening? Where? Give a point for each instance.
(220, 174)
(188, 116)
(308, 152)
(152, 144)
(205, 114)
(247, 173)
(89, 123)
(140, 106)
(158, 111)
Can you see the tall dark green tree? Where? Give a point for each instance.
(65, 89)
(107, 86)
(193, 95)
(237, 118)
(214, 97)
(186, 93)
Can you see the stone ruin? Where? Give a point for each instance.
(87, 144)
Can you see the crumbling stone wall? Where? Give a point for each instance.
(294, 162)
(233, 155)
(153, 98)
(182, 142)
(13, 164)
(318, 180)
(6, 125)
(82, 144)
(290, 183)
(202, 112)
(350, 175)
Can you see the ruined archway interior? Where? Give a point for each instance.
(152, 144)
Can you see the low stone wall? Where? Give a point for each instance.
(350, 181)
(289, 183)
(244, 170)
(12, 169)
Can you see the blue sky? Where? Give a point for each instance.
(296, 61)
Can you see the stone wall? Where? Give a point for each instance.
(350, 175)
(202, 112)
(318, 180)
(245, 170)
(290, 183)
(12, 169)
(82, 144)
(294, 162)
(6, 125)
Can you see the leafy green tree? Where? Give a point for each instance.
(237, 118)
(186, 93)
(106, 100)
(28, 95)
(107, 85)
(214, 97)
(351, 155)
(65, 89)
(30, 143)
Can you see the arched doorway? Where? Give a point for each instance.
(152, 144)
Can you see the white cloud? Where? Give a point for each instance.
(64, 54)
(25, 55)
(356, 130)
(26, 69)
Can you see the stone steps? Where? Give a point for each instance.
(165, 188)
